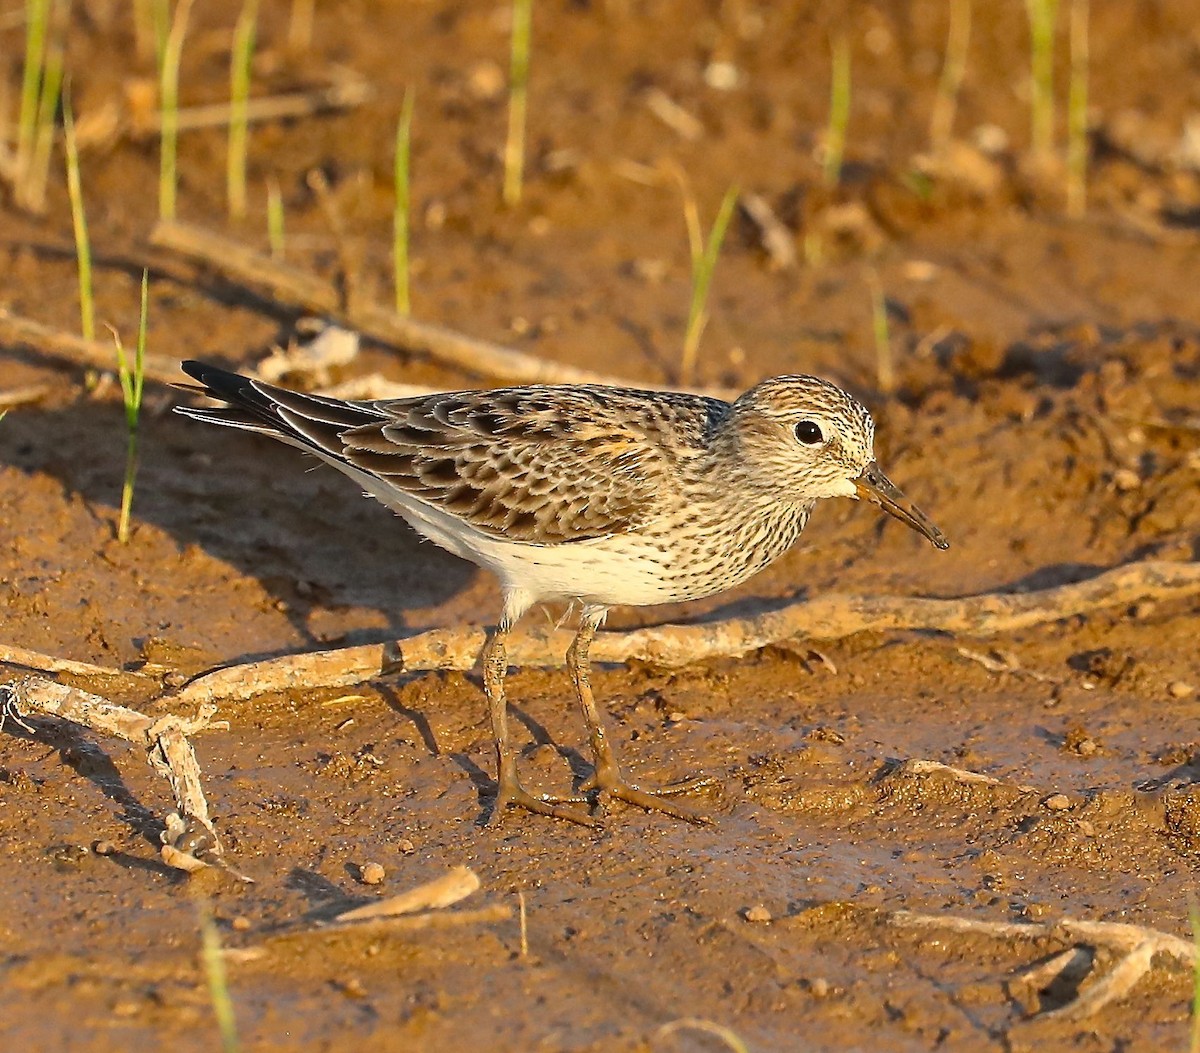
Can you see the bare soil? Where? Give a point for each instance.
(1048, 382)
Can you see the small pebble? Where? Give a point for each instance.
(819, 986)
(486, 80)
(1180, 689)
(1087, 828)
(352, 987)
(1057, 802)
(405, 846)
(675, 717)
(104, 848)
(372, 874)
(240, 923)
(1126, 479)
(757, 913)
(722, 76)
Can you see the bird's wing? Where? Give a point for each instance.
(539, 464)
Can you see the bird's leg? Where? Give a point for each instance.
(508, 787)
(607, 776)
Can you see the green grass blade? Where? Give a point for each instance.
(1042, 16)
(514, 144)
(703, 267)
(169, 99)
(839, 111)
(275, 233)
(239, 97)
(37, 19)
(37, 174)
(83, 246)
(400, 215)
(133, 379)
(218, 982)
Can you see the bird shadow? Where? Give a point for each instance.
(307, 537)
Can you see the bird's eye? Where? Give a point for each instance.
(809, 432)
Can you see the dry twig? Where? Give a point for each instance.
(673, 646)
(1136, 944)
(777, 241)
(16, 331)
(237, 263)
(456, 884)
(190, 841)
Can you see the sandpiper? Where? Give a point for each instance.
(601, 496)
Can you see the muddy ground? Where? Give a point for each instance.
(1045, 415)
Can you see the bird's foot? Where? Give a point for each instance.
(510, 792)
(607, 779)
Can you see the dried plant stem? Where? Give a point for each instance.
(287, 106)
(300, 27)
(239, 95)
(17, 331)
(518, 89)
(675, 646)
(190, 832)
(1137, 945)
(401, 208)
(235, 262)
(954, 66)
(1077, 105)
(168, 93)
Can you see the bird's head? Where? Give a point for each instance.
(806, 438)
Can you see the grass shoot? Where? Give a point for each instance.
(239, 95)
(275, 218)
(168, 92)
(132, 377)
(1042, 16)
(402, 204)
(83, 246)
(1077, 104)
(954, 66)
(839, 111)
(37, 22)
(218, 982)
(41, 84)
(704, 261)
(518, 87)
